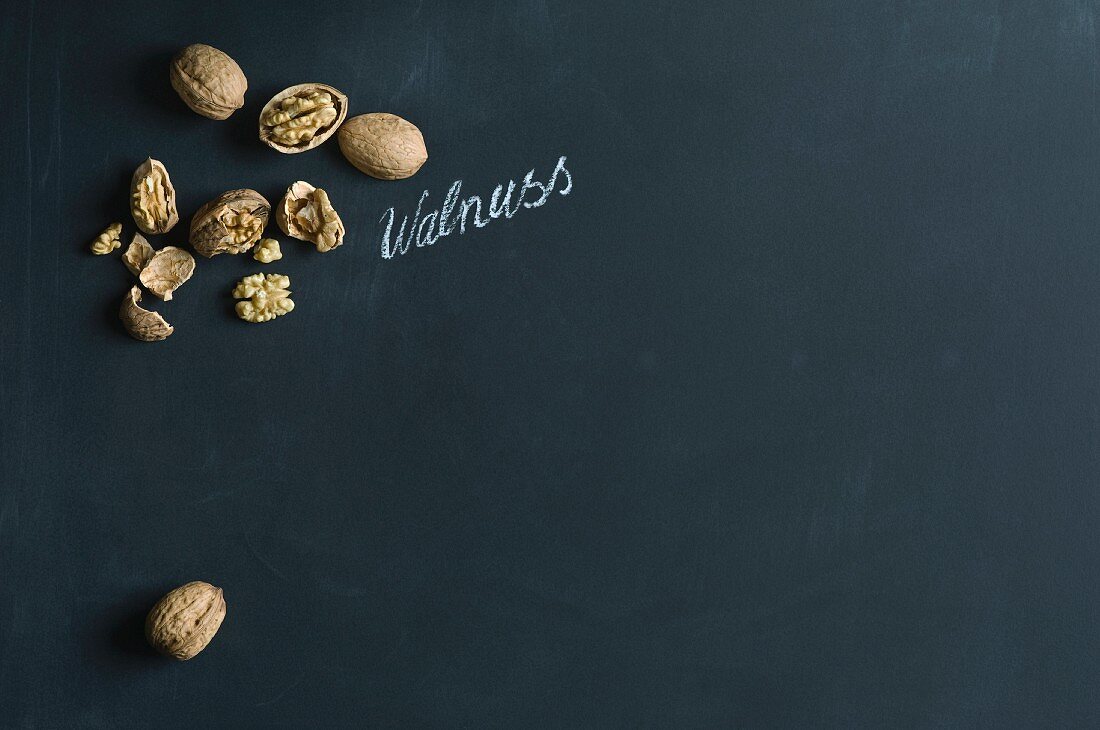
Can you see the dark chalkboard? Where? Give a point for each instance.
(787, 415)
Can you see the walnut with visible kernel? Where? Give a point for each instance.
(306, 213)
(301, 117)
(152, 198)
(231, 223)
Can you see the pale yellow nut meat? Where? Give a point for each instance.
(107, 241)
(267, 250)
(266, 296)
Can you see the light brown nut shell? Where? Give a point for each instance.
(184, 621)
(141, 323)
(268, 134)
(137, 254)
(208, 81)
(153, 198)
(383, 145)
(220, 225)
(167, 270)
(306, 213)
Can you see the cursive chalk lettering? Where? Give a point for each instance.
(437, 224)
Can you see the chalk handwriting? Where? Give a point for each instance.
(442, 222)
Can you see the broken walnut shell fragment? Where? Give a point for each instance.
(166, 271)
(306, 213)
(230, 223)
(140, 323)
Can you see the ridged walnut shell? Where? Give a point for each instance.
(301, 117)
(230, 223)
(185, 620)
(208, 81)
(383, 145)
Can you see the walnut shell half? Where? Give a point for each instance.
(230, 223)
(301, 117)
(208, 81)
(153, 198)
(184, 621)
(141, 323)
(306, 213)
(382, 145)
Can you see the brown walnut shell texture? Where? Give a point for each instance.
(141, 324)
(208, 81)
(217, 226)
(184, 621)
(383, 145)
(339, 102)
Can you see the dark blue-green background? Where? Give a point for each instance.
(787, 416)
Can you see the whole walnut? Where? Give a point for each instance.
(208, 81)
(184, 621)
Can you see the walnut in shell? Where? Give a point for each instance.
(140, 323)
(301, 117)
(231, 223)
(266, 297)
(107, 241)
(152, 198)
(306, 213)
(208, 81)
(184, 621)
(383, 145)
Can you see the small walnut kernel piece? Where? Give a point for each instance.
(306, 213)
(266, 297)
(152, 198)
(107, 241)
(137, 254)
(267, 250)
(141, 323)
(231, 223)
(301, 117)
(167, 271)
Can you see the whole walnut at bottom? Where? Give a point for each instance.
(184, 621)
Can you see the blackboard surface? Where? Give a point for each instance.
(786, 416)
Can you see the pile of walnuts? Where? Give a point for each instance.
(296, 119)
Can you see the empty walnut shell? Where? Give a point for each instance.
(230, 223)
(301, 117)
(184, 621)
(383, 145)
(167, 270)
(305, 213)
(137, 254)
(152, 198)
(208, 81)
(141, 323)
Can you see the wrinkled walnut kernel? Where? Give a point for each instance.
(266, 297)
(107, 241)
(267, 250)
